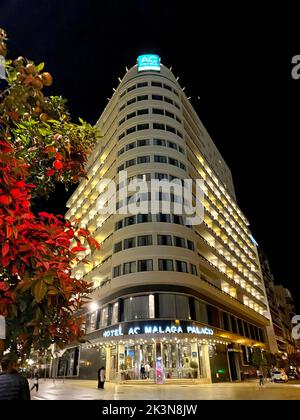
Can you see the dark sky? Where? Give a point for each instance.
(236, 58)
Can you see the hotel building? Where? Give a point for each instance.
(186, 301)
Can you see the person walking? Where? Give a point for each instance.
(101, 377)
(13, 386)
(142, 371)
(36, 378)
(147, 370)
(260, 377)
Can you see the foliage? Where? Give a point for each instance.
(39, 145)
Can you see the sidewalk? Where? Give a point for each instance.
(71, 389)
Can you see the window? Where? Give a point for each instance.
(240, 325)
(165, 265)
(121, 121)
(129, 243)
(178, 119)
(130, 162)
(159, 142)
(157, 97)
(143, 159)
(157, 84)
(165, 218)
(167, 87)
(179, 134)
(226, 321)
(131, 101)
(129, 267)
(144, 218)
(181, 150)
(173, 306)
(120, 168)
(160, 159)
(160, 176)
(158, 126)
(201, 312)
(171, 129)
(115, 313)
(173, 162)
(131, 88)
(144, 142)
(177, 219)
(164, 240)
(121, 151)
(142, 98)
(145, 265)
(143, 111)
(130, 146)
(144, 240)
(176, 104)
(181, 266)
(122, 94)
(157, 111)
(142, 84)
(91, 322)
(172, 145)
(118, 247)
(136, 307)
(168, 100)
(130, 130)
(104, 317)
(121, 135)
(182, 166)
(233, 324)
(142, 127)
(179, 241)
(129, 220)
(190, 245)
(169, 114)
(131, 115)
(119, 225)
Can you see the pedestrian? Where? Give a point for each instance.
(101, 377)
(35, 380)
(13, 386)
(260, 377)
(147, 370)
(142, 371)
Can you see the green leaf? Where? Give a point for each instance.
(40, 66)
(39, 291)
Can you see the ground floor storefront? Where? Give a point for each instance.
(160, 353)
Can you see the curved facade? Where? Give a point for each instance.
(187, 301)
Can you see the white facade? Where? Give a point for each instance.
(150, 129)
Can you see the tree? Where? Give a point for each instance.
(39, 146)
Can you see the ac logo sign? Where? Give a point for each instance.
(148, 62)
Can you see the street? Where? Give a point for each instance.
(87, 390)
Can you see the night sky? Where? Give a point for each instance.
(236, 59)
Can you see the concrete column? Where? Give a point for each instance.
(107, 367)
(121, 360)
(206, 362)
(195, 358)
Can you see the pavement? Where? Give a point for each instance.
(87, 390)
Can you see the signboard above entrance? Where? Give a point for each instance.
(156, 327)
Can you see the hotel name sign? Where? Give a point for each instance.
(157, 328)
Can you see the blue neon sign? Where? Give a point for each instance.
(148, 62)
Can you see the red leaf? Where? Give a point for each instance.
(78, 249)
(9, 231)
(5, 249)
